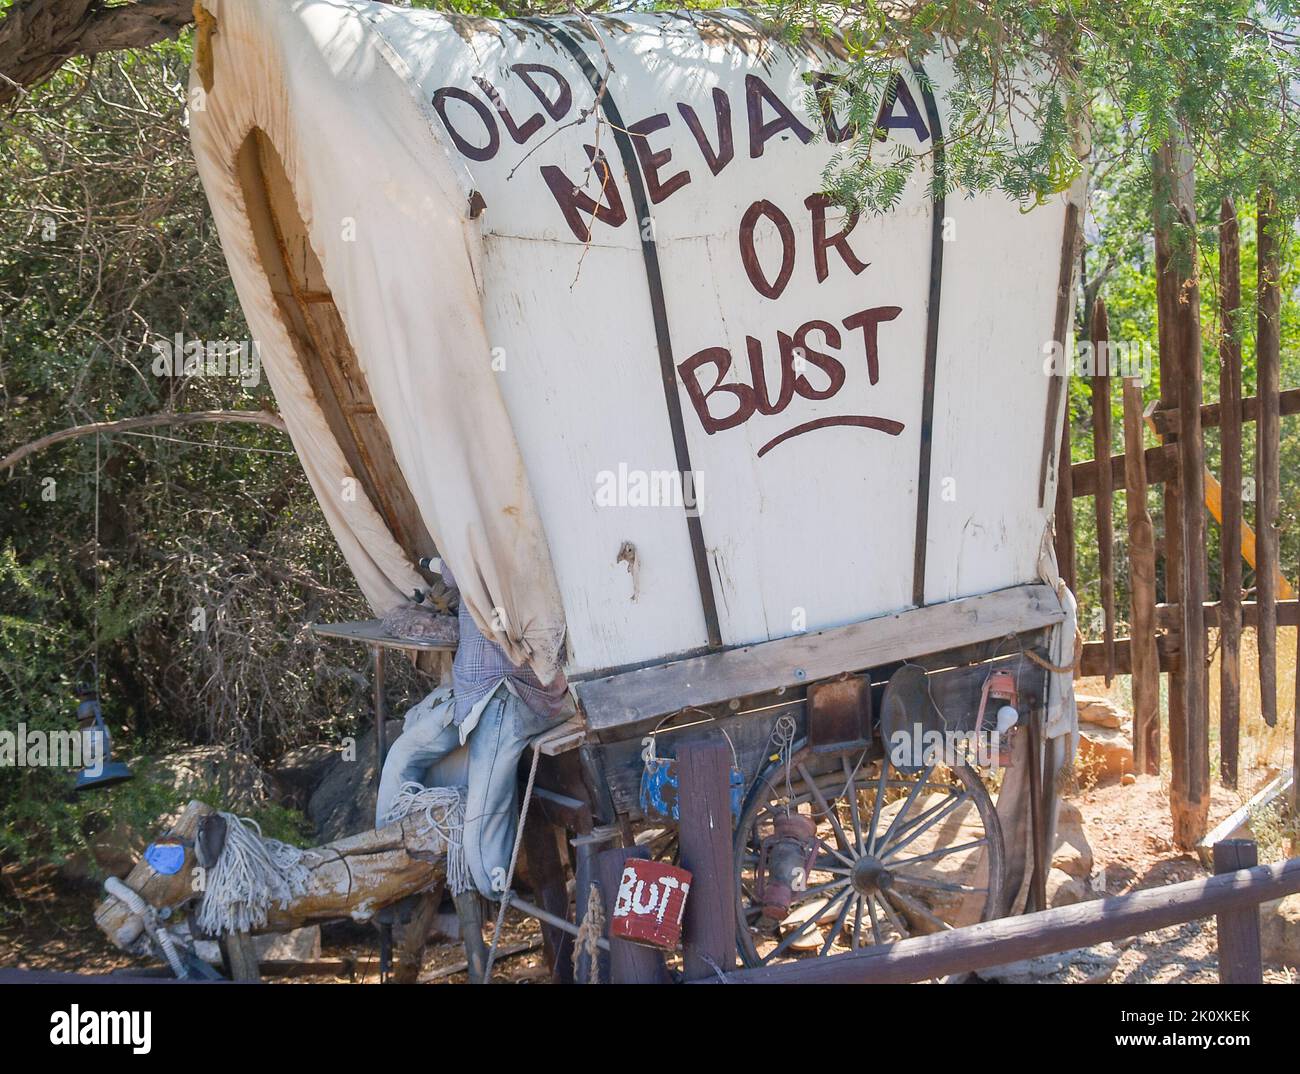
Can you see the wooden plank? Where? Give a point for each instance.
(1103, 501)
(632, 696)
(1168, 654)
(1267, 444)
(546, 876)
(709, 929)
(240, 957)
(1239, 820)
(1161, 465)
(371, 632)
(1229, 620)
(1064, 517)
(629, 963)
(1145, 658)
(1239, 956)
(1288, 614)
(1247, 409)
(1011, 939)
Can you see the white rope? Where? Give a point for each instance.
(149, 916)
(444, 813)
(514, 859)
(251, 874)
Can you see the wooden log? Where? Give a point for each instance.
(1267, 444)
(1064, 517)
(1104, 500)
(349, 878)
(1230, 468)
(1145, 658)
(1178, 323)
(1239, 955)
(1010, 939)
(704, 795)
(629, 963)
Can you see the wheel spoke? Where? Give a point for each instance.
(851, 793)
(893, 917)
(942, 852)
(803, 927)
(875, 924)
(857, 922)
(936, 885)
(825, 808)
(907, 804)
(947, 810)
(830, 849)
(915, 909)
(877, 805)
(835, 929)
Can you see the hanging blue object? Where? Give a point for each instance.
(659, 789)
(99, 769)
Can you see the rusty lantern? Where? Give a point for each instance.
(1001, 694)
(785, 860)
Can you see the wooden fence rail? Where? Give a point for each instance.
(1233, 896)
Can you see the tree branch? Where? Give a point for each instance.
(38, 36)
(147, 421)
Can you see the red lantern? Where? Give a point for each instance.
(785, 860)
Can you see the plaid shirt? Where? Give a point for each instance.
(481, 663)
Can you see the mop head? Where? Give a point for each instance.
(251, 874)
(443, 810)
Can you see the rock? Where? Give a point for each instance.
(299, 772)
(1073, 853)
(1100, 711)
(1127, 779)
(1065, 890)
(300, 945)
(1107, 750)
(213, 772)
(343, 803)
(1279, 931)
(1083, 965)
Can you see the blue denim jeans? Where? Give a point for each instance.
(429, 752)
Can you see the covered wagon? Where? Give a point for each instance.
(563, 301)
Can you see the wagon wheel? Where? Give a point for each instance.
(897, 855)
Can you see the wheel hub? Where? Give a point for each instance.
(871, 875)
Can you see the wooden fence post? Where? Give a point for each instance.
(1267, 444)
(1144, 659)
(1065, 506)
(1178, 302)
(1230, 475)
(1104, 499)
(1239, 955)
(629, 963)
(704, 794)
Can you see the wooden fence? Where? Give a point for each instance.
(1170, 635)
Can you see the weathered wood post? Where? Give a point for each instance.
(1178, 304)
(1230, 476)
(1064, 537)
(1104, 499)
(629, 963)
(1239, 954)
(1144, 659)
(704, 774)
(1267, 445)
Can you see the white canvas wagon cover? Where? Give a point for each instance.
(504, 310)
